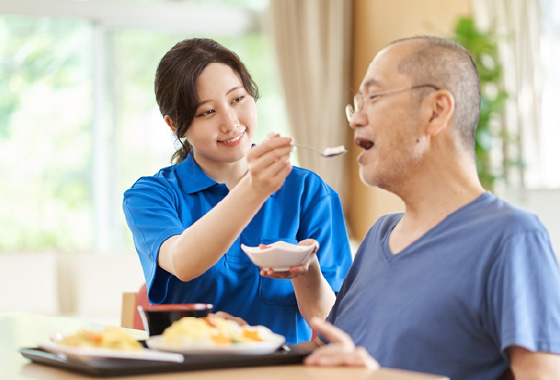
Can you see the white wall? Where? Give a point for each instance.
(88, 286)
(28, 282)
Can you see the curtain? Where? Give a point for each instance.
(312, 40)
(517, 25)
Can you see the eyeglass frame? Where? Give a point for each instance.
(350, 109)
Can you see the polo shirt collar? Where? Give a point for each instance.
(194, 178)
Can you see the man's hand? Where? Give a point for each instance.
(341, 350)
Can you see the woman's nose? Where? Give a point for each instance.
(230, 120)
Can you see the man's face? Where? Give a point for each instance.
(387, 127)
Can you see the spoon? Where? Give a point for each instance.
(328, 152)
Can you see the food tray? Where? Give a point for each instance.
(110, 367)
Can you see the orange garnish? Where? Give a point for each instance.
(93, 336)
(252, 335)
(220, 339)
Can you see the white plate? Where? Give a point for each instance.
(279, 255)
(86, 354)
(267, 347)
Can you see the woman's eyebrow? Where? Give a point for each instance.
(233, 89)
(227, 93)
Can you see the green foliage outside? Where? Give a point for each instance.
(484, 50)
(46, 143)
(44, 136)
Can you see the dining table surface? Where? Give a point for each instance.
(26, 330)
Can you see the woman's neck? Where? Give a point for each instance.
(228, 173)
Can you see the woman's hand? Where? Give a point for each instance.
(298, 270)
(269, 164)
(341, 350)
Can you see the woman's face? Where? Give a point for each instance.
(225, 119)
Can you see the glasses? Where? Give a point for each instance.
(359, 98)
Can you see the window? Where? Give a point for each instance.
(549, 134)
(78, 118)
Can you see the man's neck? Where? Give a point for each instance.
(431, 198)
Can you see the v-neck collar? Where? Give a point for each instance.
(389, 256)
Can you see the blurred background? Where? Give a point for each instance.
(79, 122)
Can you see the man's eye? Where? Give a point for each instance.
(236, 100)
(205, 113)
(372, 96)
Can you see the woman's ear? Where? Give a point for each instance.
(170, 123)
(442, 106)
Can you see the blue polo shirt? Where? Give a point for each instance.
(165, 204)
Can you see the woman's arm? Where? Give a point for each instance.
(201, 245)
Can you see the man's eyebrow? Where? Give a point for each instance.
(371, 83)
(227, 93)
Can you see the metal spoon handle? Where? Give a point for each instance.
(328, 152)
(308, 147)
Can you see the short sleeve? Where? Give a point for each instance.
(324, 221)
(524, 289)
(151, 214)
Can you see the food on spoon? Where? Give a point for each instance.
(110, 337)
(213, 331)
(334, 150)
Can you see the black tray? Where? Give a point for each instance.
(123, 367)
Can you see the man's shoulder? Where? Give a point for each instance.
(499, 212)
(383, 224)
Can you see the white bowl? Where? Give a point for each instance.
(279, 255)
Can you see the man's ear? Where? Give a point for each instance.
(170, 123)
(442, 106)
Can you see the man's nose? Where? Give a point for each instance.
(358, 119)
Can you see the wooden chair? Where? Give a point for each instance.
(130, 318)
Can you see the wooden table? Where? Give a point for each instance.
(27, 330)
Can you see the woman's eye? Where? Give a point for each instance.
(372, 97)
(206, 113)
(236, 100)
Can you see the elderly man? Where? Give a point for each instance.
(462, 283)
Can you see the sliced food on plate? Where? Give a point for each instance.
(108, 343)
(215, 335)
(109, 337)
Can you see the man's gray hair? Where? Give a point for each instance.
(448, 65)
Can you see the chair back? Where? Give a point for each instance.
(130, 318)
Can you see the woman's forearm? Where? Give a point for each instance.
(201, 245)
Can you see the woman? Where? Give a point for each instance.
(189, 219)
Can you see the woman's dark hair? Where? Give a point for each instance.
(176, 78)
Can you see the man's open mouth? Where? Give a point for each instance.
(364, 143)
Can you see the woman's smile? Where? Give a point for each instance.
(233, 141)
